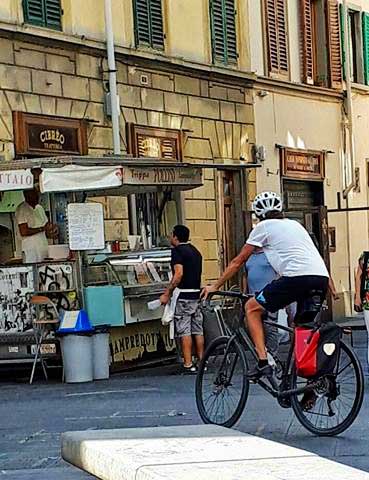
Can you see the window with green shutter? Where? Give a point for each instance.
(149, 23)
(365, 20)
(223, 31)
(44, 13)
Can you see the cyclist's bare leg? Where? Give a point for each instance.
(254, 313)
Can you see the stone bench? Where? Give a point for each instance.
(197, 452)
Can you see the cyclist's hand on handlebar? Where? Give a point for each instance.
(206, 290)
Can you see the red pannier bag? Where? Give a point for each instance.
(316, 351)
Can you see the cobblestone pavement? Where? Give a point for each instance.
(33, 417)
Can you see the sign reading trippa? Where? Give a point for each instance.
(15, 180)
(186, 175)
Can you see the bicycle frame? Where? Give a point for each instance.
(241, 336)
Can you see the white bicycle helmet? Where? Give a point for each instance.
(266, 202)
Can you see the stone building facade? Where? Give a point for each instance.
(64, 75)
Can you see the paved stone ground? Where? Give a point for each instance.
(33, 417)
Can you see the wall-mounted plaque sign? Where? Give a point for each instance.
(43, 135)
(302, 164)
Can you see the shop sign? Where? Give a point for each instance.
(16, 180)
(300, 164)
(162, 176)
(44, 135)
(154, 142)
(140, 342)
(16, 283)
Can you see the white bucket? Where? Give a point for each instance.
(77, 358)
(100, 355)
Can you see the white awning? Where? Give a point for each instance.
(74, 178)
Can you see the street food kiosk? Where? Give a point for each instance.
(113, 281)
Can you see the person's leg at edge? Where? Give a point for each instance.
(254, 312)
(199, 342)
(187, 350)
(366, 318)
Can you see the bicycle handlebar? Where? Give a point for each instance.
(224, 293)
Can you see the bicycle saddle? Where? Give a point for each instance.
(309, 307)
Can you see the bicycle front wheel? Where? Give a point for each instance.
(222, 386)
(334, 404)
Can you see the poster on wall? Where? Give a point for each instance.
(15, 312)
(86, 226)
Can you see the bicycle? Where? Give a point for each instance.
(222, 385)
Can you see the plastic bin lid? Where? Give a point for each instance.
(75, 321)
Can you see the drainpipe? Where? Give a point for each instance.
(349, 126)
(112, 77)
(349, 115)
(114, 98)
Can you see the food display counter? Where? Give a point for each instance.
(140, 277)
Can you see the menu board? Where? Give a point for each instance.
(86, 226)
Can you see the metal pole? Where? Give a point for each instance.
(112, 77)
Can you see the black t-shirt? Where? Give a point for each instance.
(187, 255)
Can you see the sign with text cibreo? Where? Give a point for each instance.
(48, 136)
(301, 164)
(15, 180)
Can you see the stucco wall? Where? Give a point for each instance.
(302, 122)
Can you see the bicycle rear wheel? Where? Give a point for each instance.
(336, 400)
(222, 386)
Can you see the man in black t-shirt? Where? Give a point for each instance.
(186, 265)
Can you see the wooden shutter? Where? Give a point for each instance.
(53, 14)
(149, 23)
(277, 36)
(282, 36)
(34, 12)
(156, 24)
(230, 27)
(366, 46)
(307, 41)
(142, 21)
(334, 44)
(223, 31)
(45, 13)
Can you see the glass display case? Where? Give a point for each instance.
(142, 275)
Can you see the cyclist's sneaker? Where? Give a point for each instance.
(258, 372)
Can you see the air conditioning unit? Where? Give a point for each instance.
(258, 153)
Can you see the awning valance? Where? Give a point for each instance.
(77, 178)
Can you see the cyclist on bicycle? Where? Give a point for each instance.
(293, 255)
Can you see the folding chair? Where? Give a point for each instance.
(41, 327)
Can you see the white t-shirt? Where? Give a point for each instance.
(288, 247)
(34, 247)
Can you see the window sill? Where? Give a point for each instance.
(360, 88)
(43, 27)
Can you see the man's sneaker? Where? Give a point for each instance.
(191, 370)
(257, 373)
